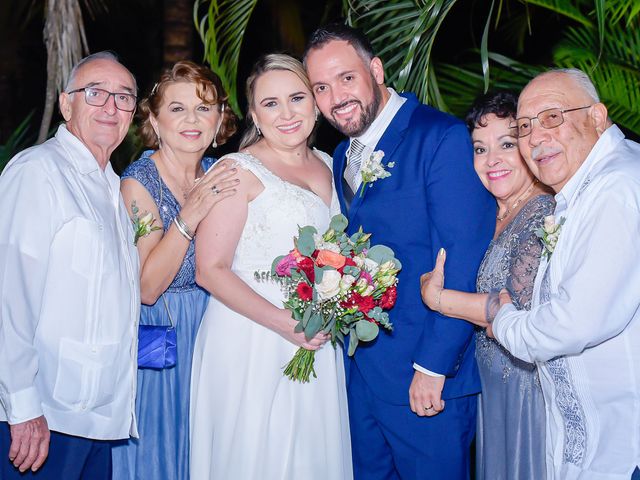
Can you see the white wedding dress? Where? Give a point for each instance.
(248, 421)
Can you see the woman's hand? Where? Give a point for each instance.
(218, 183)
(287, 332)
(432, 283)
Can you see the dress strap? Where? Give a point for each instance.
(246, 161)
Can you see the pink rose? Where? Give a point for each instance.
(284, 266)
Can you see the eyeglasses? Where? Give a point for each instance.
(98, 97)
(551, 118)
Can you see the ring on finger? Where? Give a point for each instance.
(215, 190)
(430, 407)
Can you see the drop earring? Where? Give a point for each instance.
(259, 132)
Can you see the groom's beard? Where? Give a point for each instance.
(367, 116)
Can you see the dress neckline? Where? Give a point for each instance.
(509, 225)
(295, 185)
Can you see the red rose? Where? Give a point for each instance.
(388, 299)
(348, 263)
(304, 291)
(306, 265)
(364, 303)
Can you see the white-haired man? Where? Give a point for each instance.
(583, 329)
(69, 290)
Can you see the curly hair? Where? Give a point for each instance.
(208, 88)
(502, 104)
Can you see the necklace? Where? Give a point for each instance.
(526, 193)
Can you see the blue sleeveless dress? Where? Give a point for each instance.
(162, 401)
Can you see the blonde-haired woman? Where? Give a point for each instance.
(248, 421)
(185, 113)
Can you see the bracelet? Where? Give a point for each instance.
(438, 297)
(183, 228)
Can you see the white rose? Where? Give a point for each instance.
(549, 223)
(346, 282)
(146, 219)
(330, 285)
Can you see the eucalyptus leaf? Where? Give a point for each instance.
(380, 253)
(353, 343)
(339, 223)
(274, 264)
(307, 316)
(318, 272)
(351, 270)
(299, 328)
(313, 326)
(306, 244)
(366, 331)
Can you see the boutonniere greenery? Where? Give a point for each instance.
(549, 234)
(372, 169)
(142, 225)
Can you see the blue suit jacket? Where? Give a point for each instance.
(432, 199)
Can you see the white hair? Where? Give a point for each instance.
(581, 79)
(104, 55)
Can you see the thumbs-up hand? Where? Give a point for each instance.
(432, 283)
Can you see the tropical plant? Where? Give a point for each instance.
(19, 139)
(222, 25)
(599, 40)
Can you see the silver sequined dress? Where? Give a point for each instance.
(510, 439)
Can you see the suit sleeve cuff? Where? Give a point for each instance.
(425, 371)
(22, 406)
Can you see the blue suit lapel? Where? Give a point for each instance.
(389, 142)
(339, 159)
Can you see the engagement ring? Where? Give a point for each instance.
(215, 190)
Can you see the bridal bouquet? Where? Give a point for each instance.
(336, 284)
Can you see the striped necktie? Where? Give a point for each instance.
(352, 172)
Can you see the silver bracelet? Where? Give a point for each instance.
(183, 228)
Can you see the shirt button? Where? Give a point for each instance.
(84, 406)
(94, 350)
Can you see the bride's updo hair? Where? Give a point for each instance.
(268, 63)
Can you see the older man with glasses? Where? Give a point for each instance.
(583, 330)
(69, 291)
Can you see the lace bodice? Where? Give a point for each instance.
(511, 262)
(144, 171)
(275, 215)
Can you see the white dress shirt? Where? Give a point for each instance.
(69, 292)
(583, 330)
(373, 134)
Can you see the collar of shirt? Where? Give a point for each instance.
(83, 160)
(373, 134)
(607, 141)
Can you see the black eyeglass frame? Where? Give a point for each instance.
(109, 94)
(514, 124)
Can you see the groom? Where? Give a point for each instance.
(398, 385)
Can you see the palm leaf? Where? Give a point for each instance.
(567, 8)
(222, 29)
(403, 33)
(19, 139)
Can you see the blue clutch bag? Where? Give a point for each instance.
(157, 344)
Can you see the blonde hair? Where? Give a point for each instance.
(268, 63)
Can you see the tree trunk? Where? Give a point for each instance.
(178, 31)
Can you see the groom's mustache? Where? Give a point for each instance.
(344, 104)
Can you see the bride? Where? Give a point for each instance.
(247, 420)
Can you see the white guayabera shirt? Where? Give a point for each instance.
(583, 330)
(69, 293)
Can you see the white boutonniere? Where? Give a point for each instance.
(142, 225)
(372, 169)
(549, 234)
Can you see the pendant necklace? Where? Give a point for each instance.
(500, 218)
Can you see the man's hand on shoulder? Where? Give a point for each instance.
(29, 444)
(425, 394)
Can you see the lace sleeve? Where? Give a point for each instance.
(525, 252)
